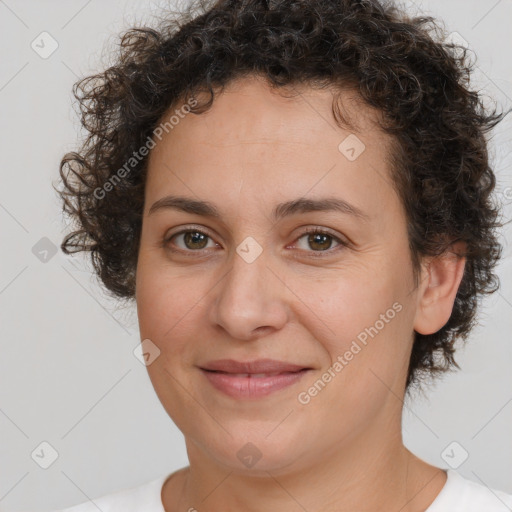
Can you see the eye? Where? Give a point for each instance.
(320, 241)
(192, 240)
(316, 241)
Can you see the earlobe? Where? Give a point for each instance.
(441, 278)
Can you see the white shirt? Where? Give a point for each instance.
(457, 495)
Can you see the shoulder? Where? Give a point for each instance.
(145, 497)
(461, 494)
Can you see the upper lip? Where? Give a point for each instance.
(256, 366)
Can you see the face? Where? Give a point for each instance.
(251, 282)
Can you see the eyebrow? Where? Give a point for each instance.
(288, 208)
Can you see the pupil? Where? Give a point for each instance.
(195, 237)
(313, 239)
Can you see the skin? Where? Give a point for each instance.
(343, 450)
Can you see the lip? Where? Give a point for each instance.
(252, 379)
(255, 366)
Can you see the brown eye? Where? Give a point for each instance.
(192, 240)
(317, 241)
(320, 241)
(195, 240)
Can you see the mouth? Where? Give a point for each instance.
(253, 379)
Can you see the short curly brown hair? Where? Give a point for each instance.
(398, 64)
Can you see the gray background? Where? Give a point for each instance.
(68, 375)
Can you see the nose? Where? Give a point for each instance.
(249, 300)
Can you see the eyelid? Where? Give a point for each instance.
(190, 227)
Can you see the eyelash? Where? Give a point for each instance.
(307, 231)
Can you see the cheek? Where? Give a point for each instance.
(167, 309)
(167, 305)
(342, 303)
(361, 317)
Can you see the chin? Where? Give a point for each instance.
(255, 455)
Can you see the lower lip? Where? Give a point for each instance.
(251, 387)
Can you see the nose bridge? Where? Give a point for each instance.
(249, 297)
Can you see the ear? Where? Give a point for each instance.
(440, 280)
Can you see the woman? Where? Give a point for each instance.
(297, 197)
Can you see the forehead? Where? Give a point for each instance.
(275, 141)
(249, 106)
